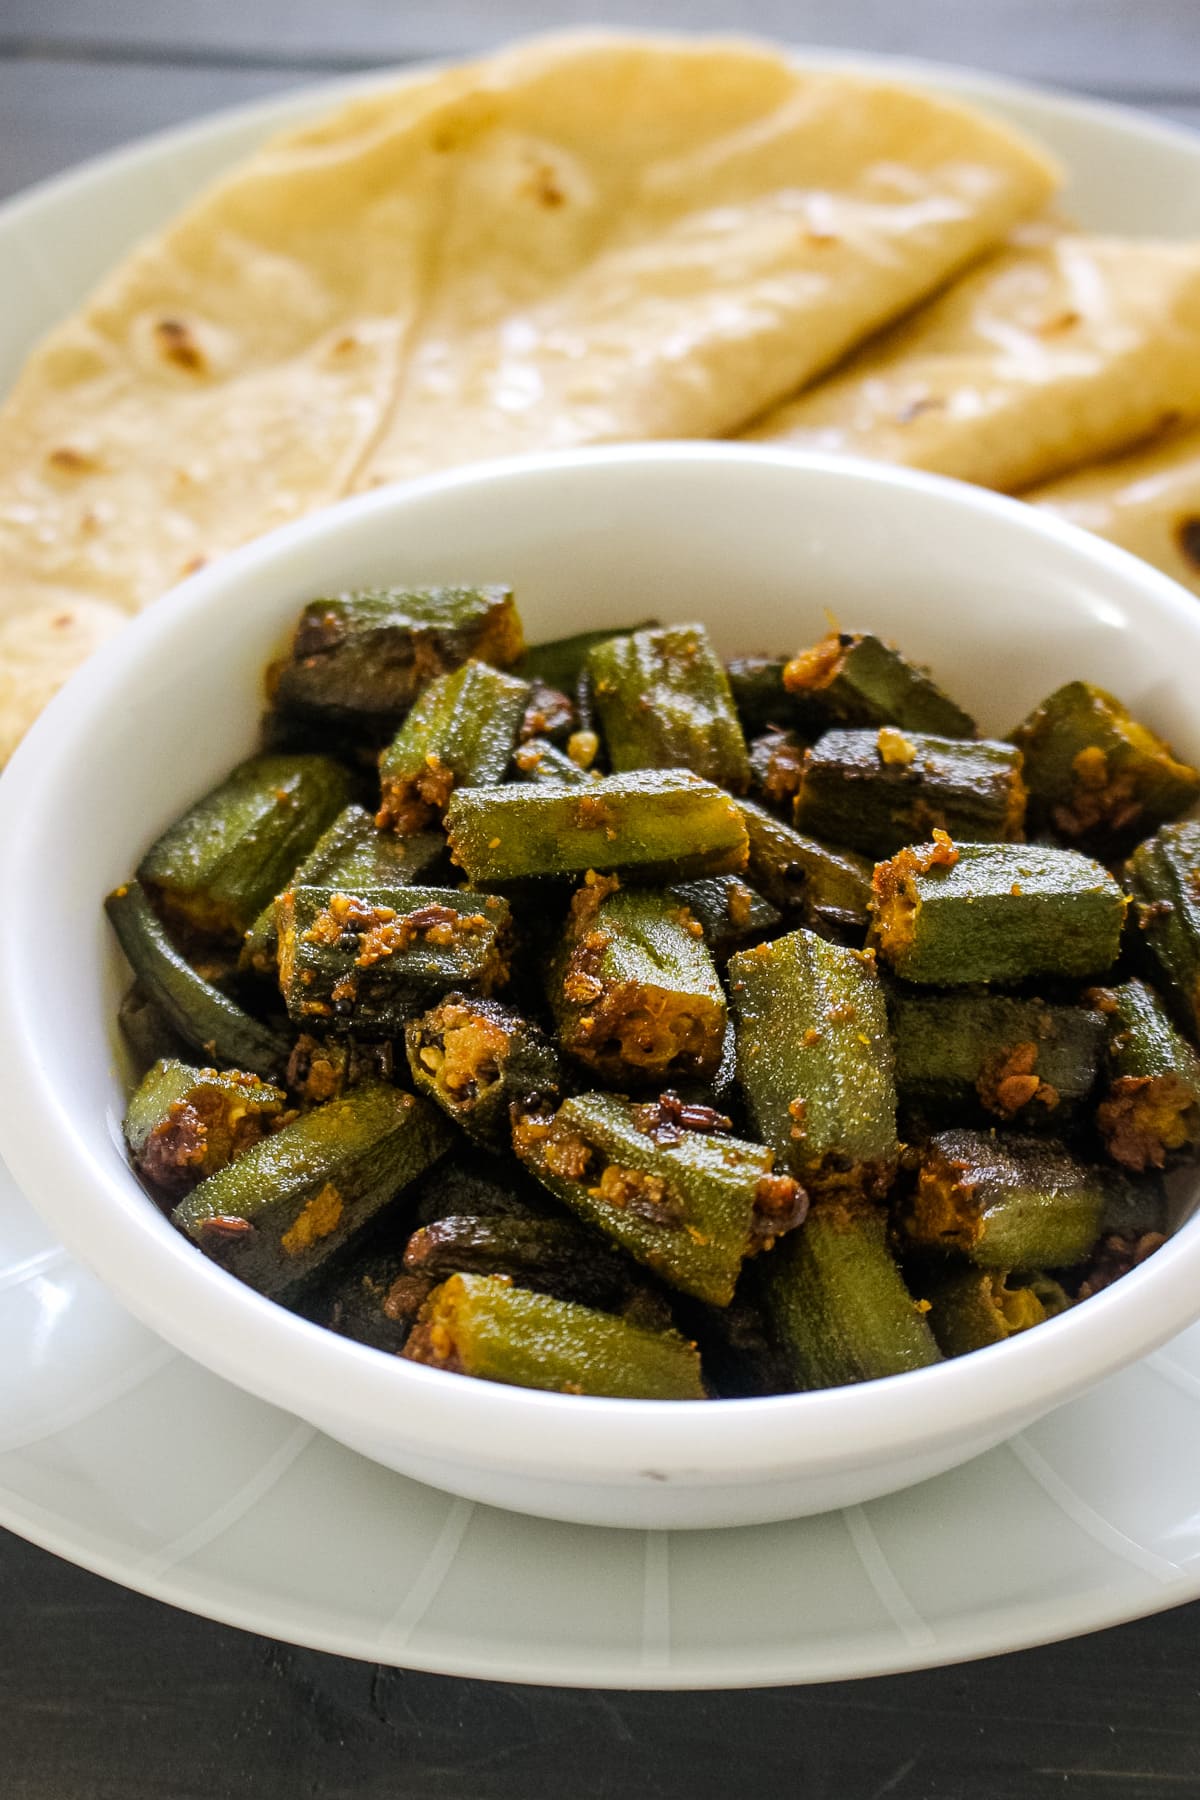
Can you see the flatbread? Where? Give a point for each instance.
(1044, 358)
(583, 240)
(1147, 501)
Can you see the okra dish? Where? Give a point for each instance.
(602, 1017)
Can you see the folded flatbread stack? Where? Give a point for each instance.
(582, 240)
(1148, 501)
(1045, 357)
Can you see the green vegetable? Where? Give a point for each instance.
(369, 961)
(283, 1208)
(831, 889)
(555, 1256)
(146, 1032)
(664, 823)
(360, 660)
(951, 914)
(352, 853)
(1007, 1202)
(976, 1307)
(854, 678)
(183, 1124)
(481, 1325)
(543, 763)
(460, 733)
(1094, 773)
(561, 661)
(634, 990)
(663, 701)
(549, 714)
(691, 1205)
(215, 869)
(1163, 875)
(730, 914)
(373, 1300)
(1151, 1111)
(762, 701)
(836, 1303)
(967, 1051)
(476, 1058)
(815, 1061)
(201, 1014)
(879, 790)
(776, 766)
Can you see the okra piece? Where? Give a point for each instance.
(837, 1304)
(369, 961)
(482, 1325)
(976, 1307)
(950, 914)
(739, 1358)
(554, 1256)
(776, 767)
(762, 701)
(634, 990)
(1096, 774)
(1151, 1111)
(352, 853)
(1011, 1202)
(200, 1013)
(321, 1069)
(360, 660)
(854, 678)
(663, 701)
(830, 888)
(966, 1052)
(460, 733)
(476, 1059)
(730, 914)
(215, 869)
(477, 1183)
(543, 763)
(666, 823)
(690, 1205)
(876, 791)
(549, 713)
(285, 1206)
(374, 1300)
(146, 1031)
(560, 662)
(1163, 875)
(814, 1061)
(183, 1124)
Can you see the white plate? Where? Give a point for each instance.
(120, 1454)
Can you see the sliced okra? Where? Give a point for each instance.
(360, 660)
(460, 733)
(476, 1183)
(762, 701)
(876, 791)
(477, 1058)
(664, 822)
(197, 1011)
(964, 1052)
(951, 914)
(373, 1300)
(482, 1325)
(634, 990)
(555, 1256)
(1163, 875)
(831, 889)
(352, 853)
(837, 1304)
(544, 764)
(1095, 774)
(690, 1205)
(1151, 1110)
(147, 1032)
(1011, 1202)
(776, 767)
(215, 868)
(325, 1068)
(183, 1124)
(664, 702)
(814, 1061)
(549, 713)
(560, 662)
(285, 1206)
(369, 961)
(976, 1307)
(728, 911)
(854, 678)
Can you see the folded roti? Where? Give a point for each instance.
(1046, 357)
(583, 240)
(1147, 501)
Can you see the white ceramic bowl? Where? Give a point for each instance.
(761, 544)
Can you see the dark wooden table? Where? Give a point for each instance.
(107, 1696)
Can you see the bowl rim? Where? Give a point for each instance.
(262, 1347)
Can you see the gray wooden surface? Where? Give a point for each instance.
(106, 1696)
